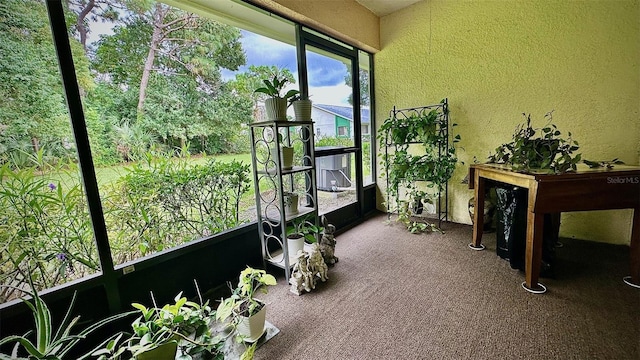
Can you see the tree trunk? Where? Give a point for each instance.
(35, 143)
(82, 29)
(158, 19)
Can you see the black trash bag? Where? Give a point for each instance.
(511, 230)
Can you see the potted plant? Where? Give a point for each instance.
(159, 332)
(51, 343)
(284, 152)
(422, 151)
(286, 157)
(246, 312)
(277, 103)
(301, 107)
(299, 231)
(542, 148)
(419, 199)
(290, 200)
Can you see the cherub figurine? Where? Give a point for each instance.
(308, 268)
(316, 263)
(328, 243)
(296, 283)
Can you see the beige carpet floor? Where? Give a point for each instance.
(395, 295)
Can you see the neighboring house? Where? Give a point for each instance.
(337, 120)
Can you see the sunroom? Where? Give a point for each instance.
(127, 164)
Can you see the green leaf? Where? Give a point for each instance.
(28, 345)
(268, 279)
(139, 307)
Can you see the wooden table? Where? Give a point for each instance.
(586, 189)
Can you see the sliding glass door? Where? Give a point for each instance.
(336, 113)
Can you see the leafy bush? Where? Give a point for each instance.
(45, 227)
(334, 141)
(166, 202)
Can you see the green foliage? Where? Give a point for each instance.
(242, 301)
(45, 229)
(273, 88)
(605, 164)
(162, 203)
(185, 323)
(304, 227)
(33, 111)
(333, 141)
(51, 343)
(421, 152)
(547, 151)
(406, 165)
(412, 225)
(245, 83)
(364, 86)
(187, 99)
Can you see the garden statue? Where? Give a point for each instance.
(309, 267)
(317, 264)
(296, 283)
(328, 243)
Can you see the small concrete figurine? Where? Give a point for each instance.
(296, 283)
(309, 267)
(316, 263)
(328, 243)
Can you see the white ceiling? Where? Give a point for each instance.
(386, 7)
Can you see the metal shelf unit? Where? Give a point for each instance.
(442, 127)
(272, 181)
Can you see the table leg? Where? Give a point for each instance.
(478, 212)
(634, 279)
(533, 254)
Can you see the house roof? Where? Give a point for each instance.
(345, 112)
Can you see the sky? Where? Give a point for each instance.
(326, 75)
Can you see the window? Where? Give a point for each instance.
(368, 154)
(167, 118)
(167, 125)
(45, 228)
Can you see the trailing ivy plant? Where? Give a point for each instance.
(417, 139)
(538, 148)
(605, 164)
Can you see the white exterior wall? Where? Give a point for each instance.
(324, 123)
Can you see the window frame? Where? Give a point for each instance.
(110, 272)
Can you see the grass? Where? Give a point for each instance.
(109, 174)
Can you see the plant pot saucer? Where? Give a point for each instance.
(252, 340)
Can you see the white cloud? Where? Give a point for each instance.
(330, 95)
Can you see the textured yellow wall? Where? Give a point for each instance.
(346, 20)
(497, 59)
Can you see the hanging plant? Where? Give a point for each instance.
(426, 165)
(422, 152)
